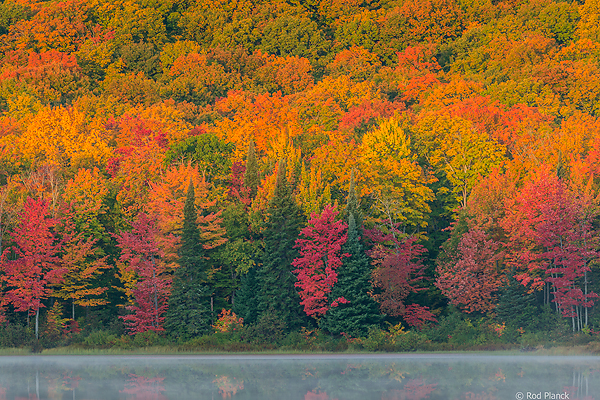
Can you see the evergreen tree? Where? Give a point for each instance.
(277, 290)
(352, 309)
(352, 205)
(189, 313)
(246, 302)
(251, 176)
(516, 307)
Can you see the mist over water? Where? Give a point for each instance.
(317, 377)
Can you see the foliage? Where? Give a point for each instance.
(320, 256)
(228, 322)
(480, 116)
(277, 288)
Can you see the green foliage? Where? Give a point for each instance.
(101, 339)
(252, 173)
(140, 57)
(516, 307)
(14, 335)
(212, 155)
(147, 339)
(246, 302)
(269, 329)
(10, 13)
(393, 341)
(294, 35)
(356, 316)
(188, 314)
(275, 277)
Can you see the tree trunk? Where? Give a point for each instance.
(37, 322)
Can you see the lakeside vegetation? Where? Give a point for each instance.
(378, 175)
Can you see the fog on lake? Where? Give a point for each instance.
(307, 377)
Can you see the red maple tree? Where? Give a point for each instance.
(320, 255)
(470, 277)
(141, 251)
(33, 265)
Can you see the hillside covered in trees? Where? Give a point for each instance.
(342, 168)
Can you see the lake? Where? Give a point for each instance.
(305, 377)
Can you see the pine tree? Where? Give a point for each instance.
(516, 307)
(277, 281)
(246, 302)
(251, 176)
(352, 309)
(352, 205)
(189, 314)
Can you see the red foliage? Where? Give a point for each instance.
(141, 251)
(36, 66)
(236, 189)
(470, 276)
(36, 266)
(368, 112)
(320, 256)
(398, 273)
(550, 233)
(417, 316)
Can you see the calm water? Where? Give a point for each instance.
(382, 377)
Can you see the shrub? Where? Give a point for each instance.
(269, 329)
(100, 339)
(147, 339)
(14, 335)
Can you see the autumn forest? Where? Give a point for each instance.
(384, 174)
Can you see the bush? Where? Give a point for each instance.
(100, 339)
(147, 339)
(14, 335)
(269, 330)
(394, 340)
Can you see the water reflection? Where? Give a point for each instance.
(387, 377)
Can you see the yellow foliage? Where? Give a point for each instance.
(60, 136)
(589, 24)
(86, 191)
(390, 175)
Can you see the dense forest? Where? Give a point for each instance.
(339, 169)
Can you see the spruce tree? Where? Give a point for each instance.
(516, 307)
(251, 176)
(189, 313)
(246, 302)
(352, 309)
(277, 290)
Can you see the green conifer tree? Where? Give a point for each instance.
(516, 307)
(189, 313)
(251, 176)
(246, 302)
(353, 310)
(277, 290)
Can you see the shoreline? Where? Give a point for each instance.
(579, 350)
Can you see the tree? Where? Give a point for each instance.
(516, 306)
(32, 266)
(277, 282)
(188, 314)
(551, 244)
(398, 272)
(141, 254)
(320, 257)
(353, 311)
(470, 277)
(462, 152)
(392, 176)
(252, 174)
(84, 266)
